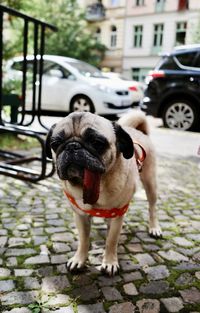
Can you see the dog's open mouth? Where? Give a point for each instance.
(89, 180)
(91, 186)
(80, 167)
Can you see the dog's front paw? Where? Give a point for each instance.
(76, 263)
(155, 232)
(110, 268)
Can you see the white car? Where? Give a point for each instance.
(72, 85)
(136, 88)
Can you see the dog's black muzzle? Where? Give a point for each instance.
(73, 159)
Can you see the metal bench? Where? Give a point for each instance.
(16, 164)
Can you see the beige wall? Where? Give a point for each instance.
(149, 7)
(115, 15)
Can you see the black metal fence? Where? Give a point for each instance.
(9, 161)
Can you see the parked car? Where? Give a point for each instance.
(173, 89)
(72, 85)
(136, 88)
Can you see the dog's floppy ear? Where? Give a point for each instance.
(47, 144)
(124, 141)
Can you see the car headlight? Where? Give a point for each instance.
(103, 88)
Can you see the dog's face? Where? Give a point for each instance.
(84, 146)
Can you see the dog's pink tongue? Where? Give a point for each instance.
(91, 186)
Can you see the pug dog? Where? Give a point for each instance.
(99, 163)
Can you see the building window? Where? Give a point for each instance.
(114, 3)
(137, 41)
(183, 5)
(181, 28)
(160, 5)
(139, 74)
(158, 35)
(113, 37)
(98, 34)
(139, 3)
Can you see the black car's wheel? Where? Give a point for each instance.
(180, 114)
(81, 103)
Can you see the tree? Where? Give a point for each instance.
(74, 38)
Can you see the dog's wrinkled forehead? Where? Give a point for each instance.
(75, 124)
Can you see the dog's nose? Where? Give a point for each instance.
(73, 146)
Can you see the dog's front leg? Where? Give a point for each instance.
(83, 225)
(110, 263)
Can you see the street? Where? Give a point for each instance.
(174, 143)
(167, 142)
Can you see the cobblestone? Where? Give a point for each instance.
(173, 256)
(130, 289)
(17, 297)
(55, 283)
(148, 306)
(38, 236)
(111, 293)
(157, 272)
(18, 310)
(191, 295)
(6, 285)
(173, 304)
(155, 287)
(91, 308)
(126, 307)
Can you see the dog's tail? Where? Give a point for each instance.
(135, 119)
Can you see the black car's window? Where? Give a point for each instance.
(197, 62)
(186, 59)
(168, 63)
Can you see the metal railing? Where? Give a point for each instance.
(10, 161)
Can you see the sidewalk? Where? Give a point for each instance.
(37, 236)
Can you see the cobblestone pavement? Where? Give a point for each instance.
(37, 236)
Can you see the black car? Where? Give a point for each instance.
(173, 89)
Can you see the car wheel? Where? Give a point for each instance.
(81, 104)
(180, 114)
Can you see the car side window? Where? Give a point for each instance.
(197, 61)
(186, 59)
(18, 66)
(168, 63)
(51, 67)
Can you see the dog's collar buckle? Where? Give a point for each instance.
(96, 212)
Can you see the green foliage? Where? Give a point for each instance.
(35, 308)
(14, 142)
(74, 38)
(17, 5)
(12, 86)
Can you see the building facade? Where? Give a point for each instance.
(156, 26)
(135, 32)
(107, 20)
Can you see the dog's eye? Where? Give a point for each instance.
(55, 144)
(99, 144)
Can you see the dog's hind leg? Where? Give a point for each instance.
(149, 182)
(83, 225)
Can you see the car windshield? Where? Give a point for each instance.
(86, 69)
